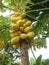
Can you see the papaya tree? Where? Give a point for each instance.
(26, 26)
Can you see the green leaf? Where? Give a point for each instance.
(32, 62)
(40, 42)
(4, 21)
(0, 3)
(43, 18)
(7, 1)
(39, 60)
(4, 33)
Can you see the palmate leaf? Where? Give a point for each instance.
(38, 4)
(4, 21)
(5, 35)
(4, 32)
(40, 42)
(41, 22)
(42, 29)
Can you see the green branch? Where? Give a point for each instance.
(39, 3)
(8, 8)
(37, 10)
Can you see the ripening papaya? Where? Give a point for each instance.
(15, 46)
(15, 39)
(19, 22)
(12, 35)
(21, 29)
(16, 14)
(22, 22)
(19, 14)
(14, 19)
(23, 36)
(30, 34)
(11, 31)
(1, 44)
(28, 23)
(14, 26)
(28, 29)
(17, 33)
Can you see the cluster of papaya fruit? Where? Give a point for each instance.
(20, 29)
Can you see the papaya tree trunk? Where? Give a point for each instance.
(24, 53)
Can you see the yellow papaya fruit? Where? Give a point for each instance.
(19, 22)
(11, 31)
(21, 29)
(28, 23)
(17, 33)
(15, 39)
(22, 22)
(23, 36)
(15, 46)
(14, 26)
(14, 19)
(12, 35)
(30, 34)
(16, 14)
(22, 14)
(1, 44)
(19, 14)
(28, 29)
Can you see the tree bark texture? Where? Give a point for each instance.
(24, 53)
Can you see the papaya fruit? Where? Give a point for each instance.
(17, 33)
(11, 31)
(21, 29)
(30, 34)
(19, 14)
(15, 46)
(14, 26)
(23, 36)
(12, 35)
(1, 44)
(28, 29)
(28, 23)
(15, 39)
(22, 22)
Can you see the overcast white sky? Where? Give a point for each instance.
(42, 51)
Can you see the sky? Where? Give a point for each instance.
(44, 52)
